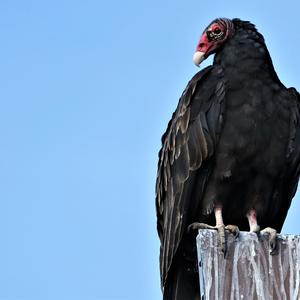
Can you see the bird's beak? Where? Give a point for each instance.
(198, 58)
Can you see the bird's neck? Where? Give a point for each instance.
(246, 56)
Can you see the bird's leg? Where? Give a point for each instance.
(233, 229)
(254, 227)
(219, 226)
(251, 216)
(272, 239)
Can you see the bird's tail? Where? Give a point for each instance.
(183, 279)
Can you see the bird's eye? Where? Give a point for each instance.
(215, 34)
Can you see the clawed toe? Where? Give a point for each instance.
(197, 226)
(233, 229)
(222, 239)
(272, 238)
(221, 233)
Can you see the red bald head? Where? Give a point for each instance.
(212, 38)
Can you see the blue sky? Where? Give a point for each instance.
(87, 89)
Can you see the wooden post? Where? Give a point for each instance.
(248, 271)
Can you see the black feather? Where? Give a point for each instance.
(234, 140)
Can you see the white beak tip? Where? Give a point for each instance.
(198, 58)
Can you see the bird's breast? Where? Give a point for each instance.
(255, 132)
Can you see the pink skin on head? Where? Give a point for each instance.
(207, 46)
(203, 44)
(213, 37)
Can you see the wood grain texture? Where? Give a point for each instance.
(248, 271)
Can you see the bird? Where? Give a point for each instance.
(230, 156)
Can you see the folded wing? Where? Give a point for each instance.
(186, 159)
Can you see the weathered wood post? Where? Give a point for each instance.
(248, 271)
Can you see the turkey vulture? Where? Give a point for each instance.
(230, 154)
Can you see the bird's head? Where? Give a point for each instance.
(213, 37)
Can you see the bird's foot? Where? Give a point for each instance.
(255, 229)
(231, 229)
(197, 226)
(221, 233)
(222, 230)
(271, 238)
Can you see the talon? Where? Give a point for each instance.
(197, 226)
(233, 229)
(272, 238)
(222, 239)
(273, 246)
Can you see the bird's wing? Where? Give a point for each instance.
(292, 172)
(187, 148)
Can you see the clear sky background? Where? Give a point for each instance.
(86, 91)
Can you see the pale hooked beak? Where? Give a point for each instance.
(198, 58)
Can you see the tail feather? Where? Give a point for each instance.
(183, 279)
(182, 286)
